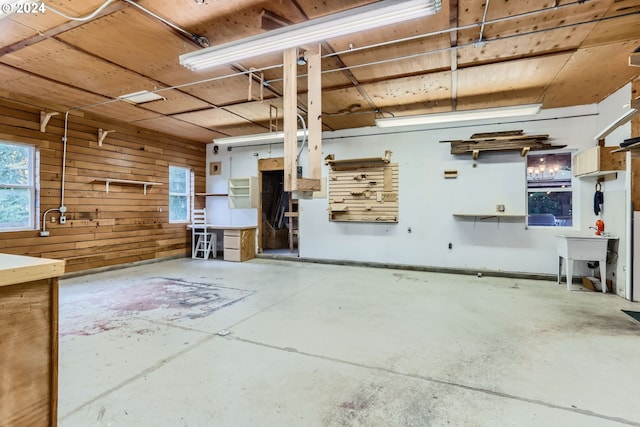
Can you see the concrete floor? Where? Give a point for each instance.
(321, 345)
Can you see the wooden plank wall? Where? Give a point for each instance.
(102, 229)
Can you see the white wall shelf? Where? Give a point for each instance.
(489, 215)
(108, 181)
(243, 193)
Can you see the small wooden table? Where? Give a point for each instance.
(239, 241)
(29, 340)
(585, 248)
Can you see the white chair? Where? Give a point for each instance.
(203, 241)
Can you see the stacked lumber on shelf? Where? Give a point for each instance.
(514, 140)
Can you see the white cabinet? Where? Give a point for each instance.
(243, 193)
(239, 243)
(598, 161)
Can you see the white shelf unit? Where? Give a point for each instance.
(243, 193)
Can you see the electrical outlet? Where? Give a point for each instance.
(500, 208)
(63, 219)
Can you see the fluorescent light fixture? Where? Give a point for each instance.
(141, 97)
(626, 117)
(351, 21)
(258, 137)
(459, 116)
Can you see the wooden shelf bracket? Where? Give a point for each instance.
(44, 119)
(102, 134)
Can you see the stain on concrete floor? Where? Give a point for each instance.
(382, 403)
(159, 298)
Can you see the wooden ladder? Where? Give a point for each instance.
(293, 214)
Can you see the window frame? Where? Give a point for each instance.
(188, 194)
(33, 187)
(550, 189)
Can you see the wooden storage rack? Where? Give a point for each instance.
(363, 190)
(514, 140)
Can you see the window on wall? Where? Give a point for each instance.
(549, 193)
(18, 192)
(180, 190)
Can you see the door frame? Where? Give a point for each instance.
(266, 165)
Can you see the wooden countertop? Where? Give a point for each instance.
(20, 269)
(225, 227)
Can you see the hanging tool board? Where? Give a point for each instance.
(363, 190)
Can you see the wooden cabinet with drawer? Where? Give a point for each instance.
(239, 244)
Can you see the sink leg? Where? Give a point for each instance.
(559, 269)
(569, 273)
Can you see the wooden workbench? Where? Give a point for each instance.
(29, 340)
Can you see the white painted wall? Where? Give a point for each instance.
(617, 210)
(427, 201)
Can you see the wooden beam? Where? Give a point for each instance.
(314, 117)
(290, 126)
(307, 184)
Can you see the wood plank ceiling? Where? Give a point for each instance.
(473, 54)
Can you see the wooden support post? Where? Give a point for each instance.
(314, 84)
(290, 119)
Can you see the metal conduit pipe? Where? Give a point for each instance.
(417, 55)
(462, 27)
(202, 41)
(484, 21)
(81, 18)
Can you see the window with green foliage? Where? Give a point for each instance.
(18, 201)
(180, 190)
(549, 193)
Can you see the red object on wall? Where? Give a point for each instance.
(599, 227)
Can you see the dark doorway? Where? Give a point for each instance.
(275, 202)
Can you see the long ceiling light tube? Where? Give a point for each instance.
(362, 18)
(258, 137)
(459, 116)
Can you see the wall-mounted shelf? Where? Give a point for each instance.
(243, 193)
(108, 181)
(351, 164)
(514, 140)
(495, 216)
(634, 148)
(212, 194)
(488, 215)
